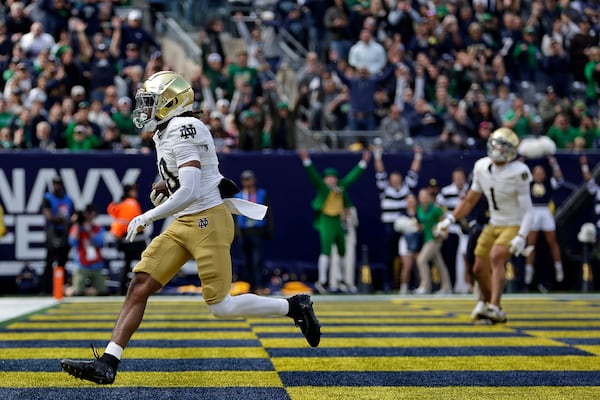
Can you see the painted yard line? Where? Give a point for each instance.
(135, 352)
(414, 342)
(446, 393)
(109, 325)
(594, 349)
(91, 335)
(467, 363)
(392, 328)
(559, 334)
(148, 379)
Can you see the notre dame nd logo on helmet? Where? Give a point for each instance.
(187, 131)
(203, 223)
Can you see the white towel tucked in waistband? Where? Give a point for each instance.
(245, 208)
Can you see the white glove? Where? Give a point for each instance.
(136, 226)
(157, 198)
(517, 245)
(443, 225)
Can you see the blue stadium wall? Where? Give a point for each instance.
(97, 178)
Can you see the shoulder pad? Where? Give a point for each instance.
(187, 129)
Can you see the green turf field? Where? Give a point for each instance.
(372, 348)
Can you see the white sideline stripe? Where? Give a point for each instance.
(15, 307)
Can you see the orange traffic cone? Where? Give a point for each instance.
(58, 283)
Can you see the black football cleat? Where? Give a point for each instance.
(301, 311)
(97, 371)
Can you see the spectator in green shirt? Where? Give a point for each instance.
(81, 138)
(122, 117)
(5, 115)
(562, 133)
(592, 73)
(240, 72)
(428, 215)
(588, 131)
(519, 119)
(213, 71)
(527, 55)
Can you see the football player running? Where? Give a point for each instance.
(505, 183)
(203, 228)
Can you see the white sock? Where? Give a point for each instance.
(558, 269)
(114, 350)
(323, 265)
(249, 305)
(529, 271)
(493, 307)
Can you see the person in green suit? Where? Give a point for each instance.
(330, 204)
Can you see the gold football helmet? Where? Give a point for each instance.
(502, 145)
(162, 96)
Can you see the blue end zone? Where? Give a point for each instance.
(134, 343)
(96, 393)
(150, 364)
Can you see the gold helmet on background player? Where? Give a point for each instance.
(162, 96)
(502, 145)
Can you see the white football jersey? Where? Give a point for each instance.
(186, 139)
(501, 185)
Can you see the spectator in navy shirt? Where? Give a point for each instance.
(87, 11)
(362, 87)
(17, 23)
(132, 57)
(132, 32)
(102, 72)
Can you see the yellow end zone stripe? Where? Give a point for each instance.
(368, 320)
(379, 313)
(564, 334)
(557, 322)
(134, 352)
(109, 325)
(446, 393)
(163, 335)
(550, 315)
(387, 328)
(462, 363)
(147, 317)
(594, 349)
(147, 379)
(413, 342)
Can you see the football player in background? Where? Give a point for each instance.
(203, 227)
(542, 219)
(505, 183)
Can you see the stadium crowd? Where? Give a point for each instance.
(443, 73)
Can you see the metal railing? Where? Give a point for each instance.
(342, 139)
(293, 50)
(330, 139)
(174, 31)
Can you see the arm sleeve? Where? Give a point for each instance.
(353, 175)
(381, 180)
(556, 183)
(475, 185)
(412, 179)
(313, 175)
(243, 31)
(526, 207)
(190, 179)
